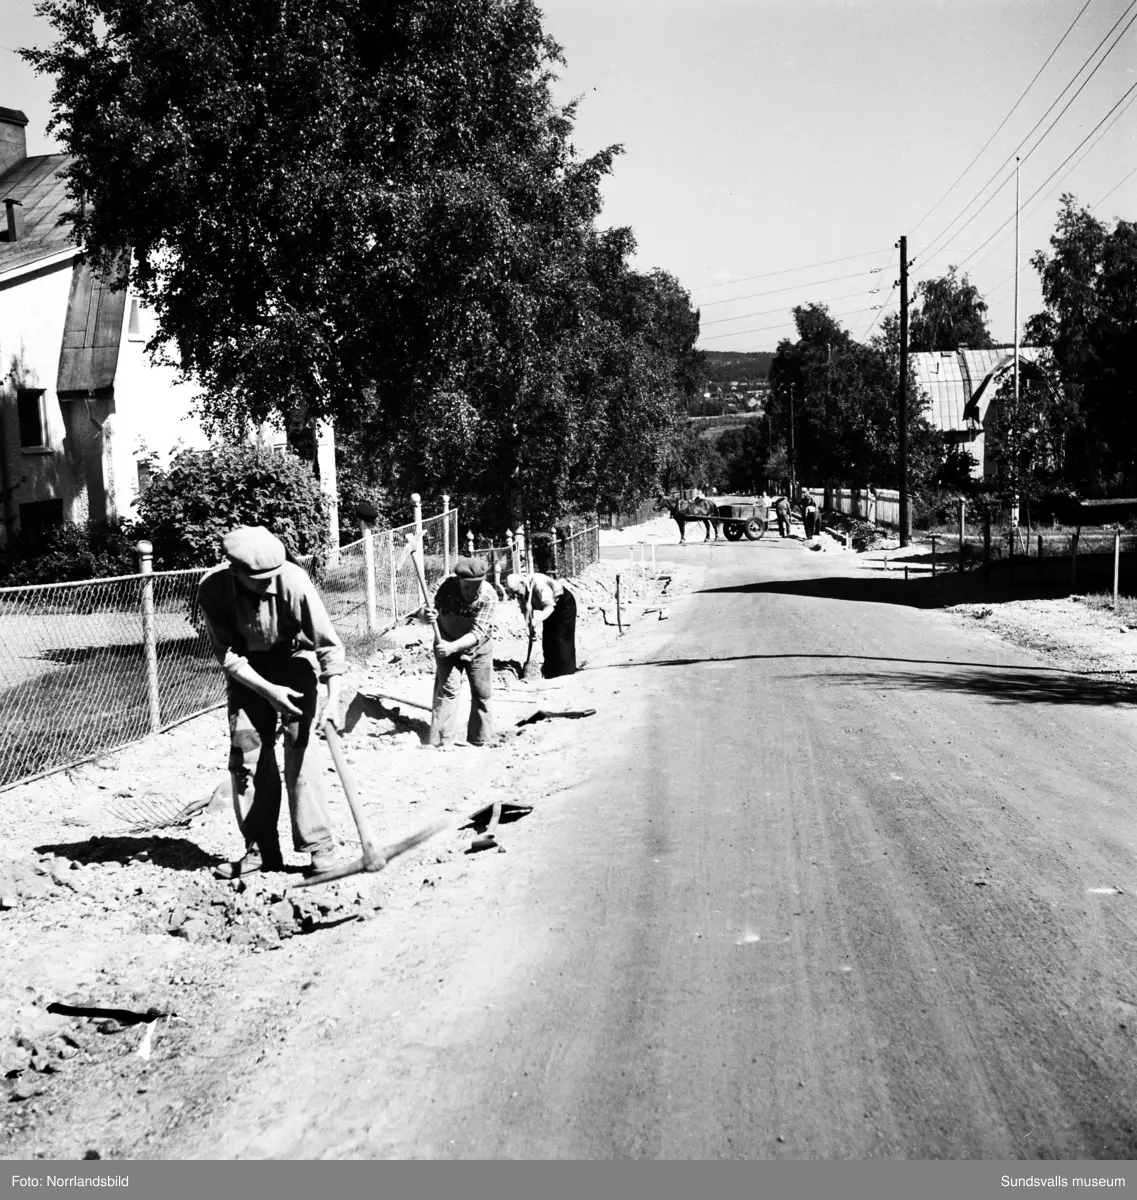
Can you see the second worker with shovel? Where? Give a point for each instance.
(463, 607)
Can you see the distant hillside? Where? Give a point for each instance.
(723, 366)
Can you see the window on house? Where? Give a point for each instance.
(38, 518)
(32, 419)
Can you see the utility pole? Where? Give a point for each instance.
(1015, 423)
(793, 488)
(904, 521)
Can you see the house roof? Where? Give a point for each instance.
(37, 183)
(961, 383)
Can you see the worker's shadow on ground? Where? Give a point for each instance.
(174, 854)
(379, 710)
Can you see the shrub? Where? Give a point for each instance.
(92, 551)
(187, 509)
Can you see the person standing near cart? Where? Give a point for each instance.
(809, 514)
(782, 511)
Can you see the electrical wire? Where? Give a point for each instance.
(781, 308)
(786, 271)
(940, 240)
(1113, 189)
(792, 287)
(1029, 211)
(1003, 122)
(780, 325)
(1045, 183)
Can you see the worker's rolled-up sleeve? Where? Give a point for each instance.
(219, 627)
(320, 631)
(482, 614)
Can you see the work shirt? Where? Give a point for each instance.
(289, 617)
(541, 592)
(458, 617)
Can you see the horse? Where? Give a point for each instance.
(682, 511)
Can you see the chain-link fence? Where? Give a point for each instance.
(91, 665)
(577, 552)
(87, 667)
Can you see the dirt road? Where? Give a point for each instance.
(824, 878)
(837, 880)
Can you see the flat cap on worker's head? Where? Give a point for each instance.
(471, 568)
(254, 550)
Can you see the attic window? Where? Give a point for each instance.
(32, 419)
(134, 325)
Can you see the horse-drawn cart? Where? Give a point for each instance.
(743, 519)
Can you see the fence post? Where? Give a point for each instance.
(962, 530)
(1073, 560)
(1011, 558)
(149, 637)
(416, 500)
(369, 576)
(933, 556)
(394, 588)
(1040, 556)
(619, 625)
(1116, 568)
(519, 551)
(470, 543)
(446, 535)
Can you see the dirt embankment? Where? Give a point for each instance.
(121, 950)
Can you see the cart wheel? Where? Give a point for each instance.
(732, 530)
(755, 529)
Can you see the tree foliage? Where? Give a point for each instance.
(948, 314)
(844, 404)
(1089, 288)
(187, 509)
(374, 212)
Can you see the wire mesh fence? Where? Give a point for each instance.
(90, 666)
(578, 551)
(78, 676)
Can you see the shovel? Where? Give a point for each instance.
(375, 857)
(487, 841)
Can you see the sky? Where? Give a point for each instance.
(776, 150)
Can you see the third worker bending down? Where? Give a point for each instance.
(549, 604)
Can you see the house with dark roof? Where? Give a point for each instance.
(83, 410)
(961, 386)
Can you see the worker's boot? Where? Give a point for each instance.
(254, 860)
(322, 860)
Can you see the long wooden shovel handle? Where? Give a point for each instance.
(366, 838)
(416, 558)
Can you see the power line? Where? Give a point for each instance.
(793, 287)
(781, 308)
(766, 328)
(1046, 181)
(1089, 150)
(936, 241)
(1114, 189)
(1003, 122)
(786, 271)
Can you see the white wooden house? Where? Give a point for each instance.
(84, 412)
